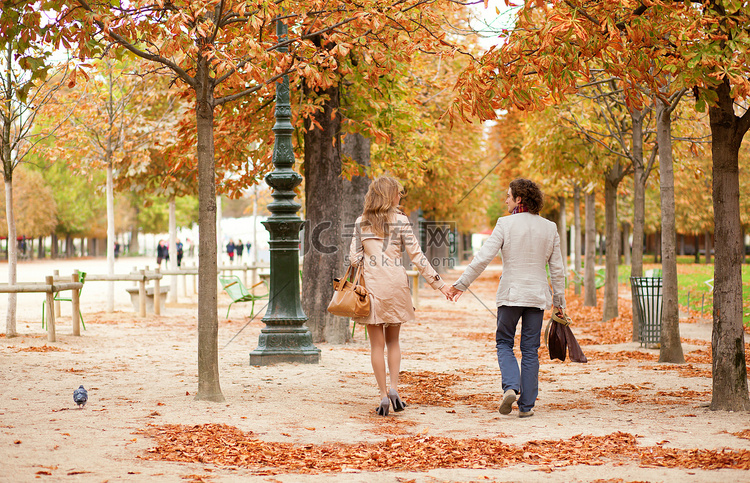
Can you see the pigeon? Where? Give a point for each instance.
(80, 396)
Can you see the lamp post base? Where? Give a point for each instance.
(284, 344)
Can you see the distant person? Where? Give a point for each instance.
(117, 249)
(248, 245)
(230, 251)
(162, 253)
(239, 247)
(180, 252)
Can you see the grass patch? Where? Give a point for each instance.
(693, 292)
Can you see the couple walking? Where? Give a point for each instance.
(527, 243)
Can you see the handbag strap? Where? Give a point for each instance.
(348, 273)
(358, 276)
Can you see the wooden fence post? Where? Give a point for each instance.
(76, 302)
(157, 293)
(50, 313)
(172, 295)
(142, 294)
(56, 274)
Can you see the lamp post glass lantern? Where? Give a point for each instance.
(285, 338)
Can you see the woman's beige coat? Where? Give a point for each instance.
(384, 273)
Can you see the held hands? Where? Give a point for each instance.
(453, 294)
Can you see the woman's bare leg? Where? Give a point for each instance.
(394, 353)
(377, 356)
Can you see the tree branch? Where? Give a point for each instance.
(223, 100)
(675, 99)
(145, 55)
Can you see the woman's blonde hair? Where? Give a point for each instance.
(379, 204)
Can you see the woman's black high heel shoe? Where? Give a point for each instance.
(398, 404)
(384, 407)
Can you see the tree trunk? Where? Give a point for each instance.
(53, 246)
(357, 148)
(589, 277)
(10, 322)
(7, 160)
(173, 248)
(639, 198)
(562, 229)
(709, 246)
(657, 247)
(133, 245)
(110, 234)
(578, 238)
(208, 321)
(612, 241)
(727, 341)
(436, 251)
(626, 243)
(219, 234)
(671, 348)
(697, 242)
(324, 253)
(41, 254)
(640, 176)
(682, 245)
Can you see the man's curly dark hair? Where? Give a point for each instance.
(531, 196)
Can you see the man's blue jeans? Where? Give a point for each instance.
(525, 382)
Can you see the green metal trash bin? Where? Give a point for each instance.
(647, 303)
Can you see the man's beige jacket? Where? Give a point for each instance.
(527, 243)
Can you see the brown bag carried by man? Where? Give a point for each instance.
(560, 339)
(350, 298)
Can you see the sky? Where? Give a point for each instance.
(492, 20)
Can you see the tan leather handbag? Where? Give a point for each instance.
(350, 298)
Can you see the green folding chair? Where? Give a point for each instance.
(237, 291)
(60, 298)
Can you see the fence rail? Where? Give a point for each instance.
(51, 288)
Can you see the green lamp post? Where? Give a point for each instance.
(284, 338)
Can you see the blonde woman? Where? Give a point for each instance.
(380, 235)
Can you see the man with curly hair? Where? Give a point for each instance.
(527, 243)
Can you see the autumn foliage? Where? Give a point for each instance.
(225, 445)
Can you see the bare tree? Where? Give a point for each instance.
(24, 92)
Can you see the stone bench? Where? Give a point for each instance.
(163, 289)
